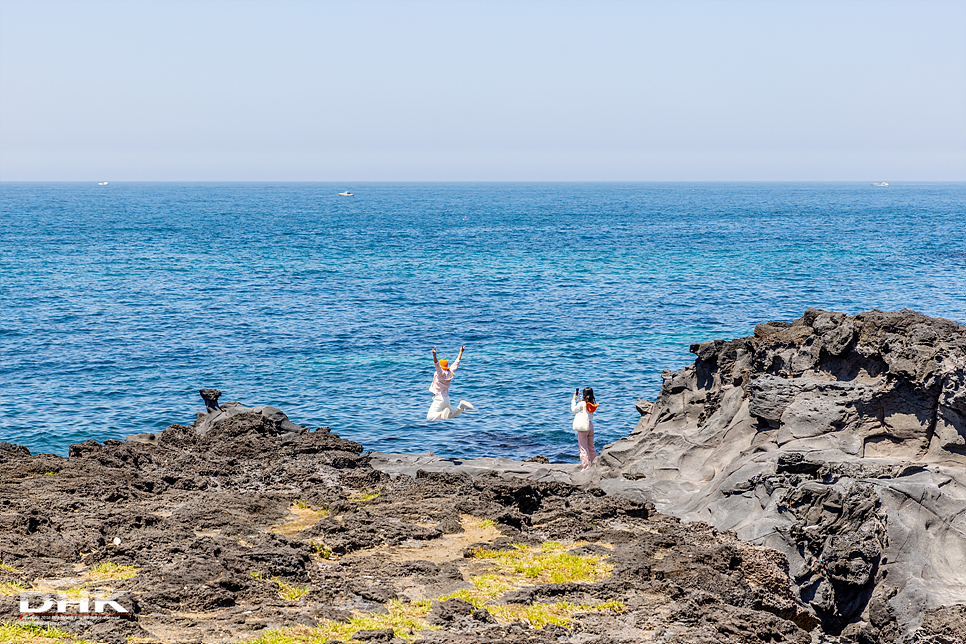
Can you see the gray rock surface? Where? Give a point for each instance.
(410, 464)
(838, 440)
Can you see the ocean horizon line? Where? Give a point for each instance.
(480, 181)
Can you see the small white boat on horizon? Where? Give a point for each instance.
(345, 194)
(102, 183)
(881, 184)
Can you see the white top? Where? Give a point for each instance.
(442, 378)
(580, 407)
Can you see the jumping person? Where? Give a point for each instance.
(440, 409)
(584, 425)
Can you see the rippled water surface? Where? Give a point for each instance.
(119, 302)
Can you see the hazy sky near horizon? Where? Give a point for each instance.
(246, 90)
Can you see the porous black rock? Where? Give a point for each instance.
(445, 612)
(244, 521)
(12, 448)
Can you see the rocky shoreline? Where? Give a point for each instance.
(803, 485)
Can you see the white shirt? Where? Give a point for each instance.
(579, 407)
(442, 378)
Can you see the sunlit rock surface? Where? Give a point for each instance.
(838, 440)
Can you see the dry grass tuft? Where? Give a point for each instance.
(110, 571)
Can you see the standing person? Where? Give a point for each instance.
(440, 409)
(584, 425)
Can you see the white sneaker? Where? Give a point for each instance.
(466, 405)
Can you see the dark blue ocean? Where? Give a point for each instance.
(119, 302)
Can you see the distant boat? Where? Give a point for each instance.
(345, 194)
(881, 184)
(102, 183)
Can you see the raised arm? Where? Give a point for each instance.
(435, 361)
(456, 363)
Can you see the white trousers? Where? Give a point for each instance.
(440, 409)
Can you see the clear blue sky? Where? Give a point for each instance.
(482, 90)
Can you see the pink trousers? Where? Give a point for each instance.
(587, 452)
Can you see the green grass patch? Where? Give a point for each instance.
(11, 588)
(421, 606)
(466, 595)
(491, 585)
(110, 571)
(560, 613)
(473, 522)
(403, 619)
(523, 566)
(287, 591)
(13, 633)
(536, 615)
(360, 497)
(8, 568)
(320, 549)
(299, 503)
(552, 546)
(548, 563)
(519, 566)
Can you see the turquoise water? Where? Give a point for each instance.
(119, 302)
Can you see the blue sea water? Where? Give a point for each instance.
(119, 302)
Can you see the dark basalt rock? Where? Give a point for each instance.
(217, 516)
(446, 612)
(375, 635)
(210, 396)
(11, 449)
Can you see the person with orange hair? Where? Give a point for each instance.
(584, 425)
(440, 409)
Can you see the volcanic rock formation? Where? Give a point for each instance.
(838, 440)
(246, 526)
